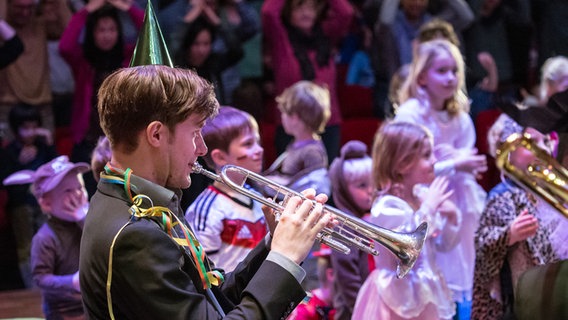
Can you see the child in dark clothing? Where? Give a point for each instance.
(59, 189)
(32, 147)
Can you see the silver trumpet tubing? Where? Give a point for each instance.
(349, 231)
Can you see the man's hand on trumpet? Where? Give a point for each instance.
(298, 226)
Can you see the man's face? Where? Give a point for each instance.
(20, 12)
(184, 146)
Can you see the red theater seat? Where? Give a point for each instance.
(362, 129)
(483, 122)
(267, 135)
(63, 141)
(355, 101)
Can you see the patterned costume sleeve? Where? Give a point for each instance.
(492, 237)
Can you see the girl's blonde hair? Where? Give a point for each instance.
(397, 146)
(423, 58)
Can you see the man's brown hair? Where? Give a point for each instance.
(131, 98)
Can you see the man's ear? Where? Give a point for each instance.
(156, 133)
(219, 157)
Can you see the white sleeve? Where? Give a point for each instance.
(466, 140)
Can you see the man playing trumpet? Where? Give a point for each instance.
(138, 258)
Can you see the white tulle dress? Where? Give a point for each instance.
(423, 292)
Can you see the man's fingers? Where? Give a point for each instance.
(322, 198)
(324, 221)
(314, 214)
(309, 193)
(291, 205)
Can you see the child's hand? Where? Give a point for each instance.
(45, 133)
(436, 194)
(197, 3)
(471, 162)
(449, 210)
(76, 284)
(94, 5)
(123, 5)
(27, 154)
(75, 208)
(491, 81)
(524, 226)
(444, 151)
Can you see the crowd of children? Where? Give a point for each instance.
(423, 167)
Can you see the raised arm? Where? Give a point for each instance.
(55, 15)
(272, 24)
(336, 24)
(250, 21)
(69, 44)
(388, 11)
(458, 13)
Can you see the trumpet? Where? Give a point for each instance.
(349, 232)
(546, 178)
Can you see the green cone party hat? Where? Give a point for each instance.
(150, 46)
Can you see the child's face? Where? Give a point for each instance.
(557, 86)
(27, 131)
(289, 122)
(521, 157)
(245, 151)
(440, 80)
(68, 200)
(361, 191)
(200, 49)
(304, 16)
(106, 33)
(422, 171)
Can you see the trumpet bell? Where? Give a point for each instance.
(545, 177)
